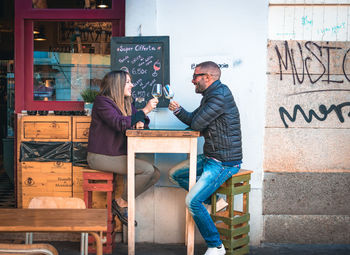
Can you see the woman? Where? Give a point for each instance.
(112, 114)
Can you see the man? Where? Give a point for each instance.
(217, 118)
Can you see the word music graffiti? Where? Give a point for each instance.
(315, 57)
(311, 54)
(308, 118)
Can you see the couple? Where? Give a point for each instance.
(217, 118)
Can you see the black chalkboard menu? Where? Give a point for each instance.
(147, 60)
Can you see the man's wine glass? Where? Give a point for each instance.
(168, 92)
(157, 91)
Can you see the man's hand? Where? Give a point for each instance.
(173, 106)
(150, 105)
(140, 125)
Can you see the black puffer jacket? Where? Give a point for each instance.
(217, 118)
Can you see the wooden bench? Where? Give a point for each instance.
(92, 221)
(41, 248)
(59, 203)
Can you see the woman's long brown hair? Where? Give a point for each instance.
(112, 86)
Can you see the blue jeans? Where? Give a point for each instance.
(210, 175)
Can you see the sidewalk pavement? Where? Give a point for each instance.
(70, 248)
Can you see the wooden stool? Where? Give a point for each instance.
(94, 180)
(233, 224)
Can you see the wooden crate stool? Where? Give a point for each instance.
(99, 181)
(232, 224)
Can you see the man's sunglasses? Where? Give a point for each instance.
(195, 75)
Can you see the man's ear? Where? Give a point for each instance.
(209, 78)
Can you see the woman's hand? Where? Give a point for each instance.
(140, 125)
(173, 105)
(150, 105)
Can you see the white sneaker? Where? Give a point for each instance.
(220, 205)
(216, 251)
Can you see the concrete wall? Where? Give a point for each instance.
(307, 135)
(228, 32)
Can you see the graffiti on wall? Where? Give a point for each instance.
(317, 23)
(323, 113)
(334, 29)
(313, 68)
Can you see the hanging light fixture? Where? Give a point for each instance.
(36, 30)
(40, 36)
(102, 4)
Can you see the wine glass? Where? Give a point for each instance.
(168, 92)
(157, 91)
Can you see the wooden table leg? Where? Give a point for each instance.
(98, 243)
(192, 181)
(187, 215)
(131, 199)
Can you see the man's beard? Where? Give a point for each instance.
(199, 88)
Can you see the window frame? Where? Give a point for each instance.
(25, 16)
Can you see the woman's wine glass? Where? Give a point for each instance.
(157, 91)
(168, 92)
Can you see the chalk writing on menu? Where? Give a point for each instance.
(145, 62)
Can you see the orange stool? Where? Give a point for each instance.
(94, 180)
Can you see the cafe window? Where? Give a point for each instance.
(61, 49)
(72, 4)
(69, 56)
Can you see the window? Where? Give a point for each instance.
(72, 4)
(62, 51)
(69, 57)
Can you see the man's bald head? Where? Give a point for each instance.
(211, 68)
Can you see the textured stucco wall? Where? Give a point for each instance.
(307, 133)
